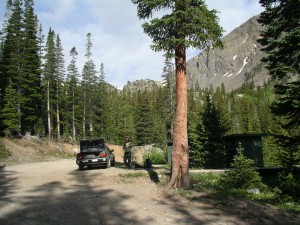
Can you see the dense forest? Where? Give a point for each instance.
(43, 95)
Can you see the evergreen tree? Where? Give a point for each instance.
(1, 76)
(169, 82)
(215, 127)
(89, 80)
(280, 40)
(2, 40)
(72, 95)
(287, 153)
(31, 72)
(40, 38)
(59, 78)
(101, 105)
(196, 130)
(244, 174)
(189, 24)
(12, 58)
(10, 113)
(127, 117)
(161, 117)
(144, 124)
(49, 80)
(117, 117)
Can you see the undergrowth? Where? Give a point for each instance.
(130, 177)
(4, 153)
(211, 183)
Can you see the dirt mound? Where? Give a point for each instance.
(31, 149)
(34, 150)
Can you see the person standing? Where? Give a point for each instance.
(127, 147)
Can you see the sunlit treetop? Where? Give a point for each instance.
(186, 23)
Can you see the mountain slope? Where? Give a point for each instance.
(237, 63)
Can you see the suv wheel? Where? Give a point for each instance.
(80, 167)
(108, 163)
(113, 163)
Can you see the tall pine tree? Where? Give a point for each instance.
(48, 81)
(189, 24)
(280, 40)
(12, 58)
(59, 77)
(31, 75)
(72, 96)
(89, 79)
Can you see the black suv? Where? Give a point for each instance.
(94, 153)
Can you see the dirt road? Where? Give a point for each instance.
(58, 193)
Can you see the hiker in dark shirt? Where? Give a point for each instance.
(127, 147)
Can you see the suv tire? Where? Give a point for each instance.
(108, 164)
(80, 167)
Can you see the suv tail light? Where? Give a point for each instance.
(102, 154)
(79, 156)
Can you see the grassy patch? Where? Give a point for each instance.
(131, 177)
(211, 184)
(60, 154)
(208, 182)
(4, 153)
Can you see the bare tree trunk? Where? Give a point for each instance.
(91, 128)
(58, 123)
(84, 121)
(73, 118)
(57, 112)
(180, 152)
(48, 111)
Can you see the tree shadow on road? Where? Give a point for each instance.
(85, 198)
(54, 202)
(200, 208)
(7, 182)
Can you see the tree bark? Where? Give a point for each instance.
(180, 152)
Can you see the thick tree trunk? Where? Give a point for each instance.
(180, 152)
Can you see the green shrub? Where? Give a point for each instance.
(4, 153)
(288, 185)
(243, 175)
(205, 181)
(156, 155)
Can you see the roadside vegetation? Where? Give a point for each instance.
(244, 182)
(4, 153)
(131, 177)
(156, 155)
(211, 184)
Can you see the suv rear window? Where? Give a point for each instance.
(92, 145)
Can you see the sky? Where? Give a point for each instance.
(117, 36)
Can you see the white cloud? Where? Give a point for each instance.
(234, 13)
(55, 11)
(117, 36)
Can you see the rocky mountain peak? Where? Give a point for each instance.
(234, 65)
(238, 62)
